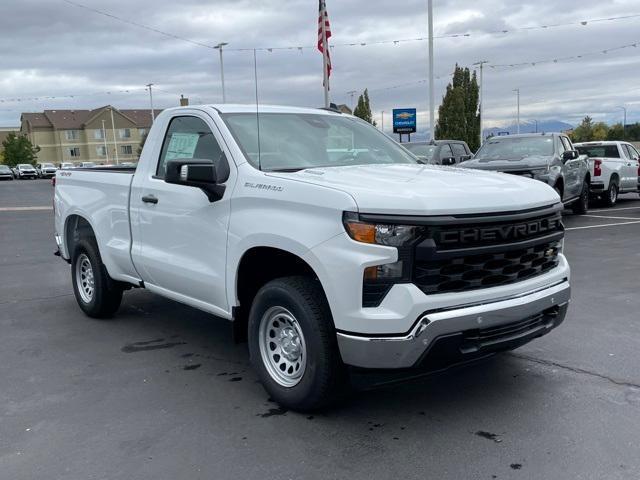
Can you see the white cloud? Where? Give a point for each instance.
(52, 48)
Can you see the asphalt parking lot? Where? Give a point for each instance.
(161, 392)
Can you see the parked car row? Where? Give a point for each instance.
(579, 173)
(44, 170)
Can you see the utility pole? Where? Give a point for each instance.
(115, 142)
(219, 48)
(153, 117)
(431, 101)
(481, 63)
(352, 94)
(104, 138)
(517, 90)
(536, 125)
(624, 122)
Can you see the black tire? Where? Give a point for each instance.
(581, 206)
(610, 197)
(106, 293)
(324, 375)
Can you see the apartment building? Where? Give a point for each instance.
(104, 135)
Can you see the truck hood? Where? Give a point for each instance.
(429, 189)
(506, 165)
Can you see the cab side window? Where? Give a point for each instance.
(445, 152)
(458, 150)
(567, 143)
(188, 137)
(631, 152)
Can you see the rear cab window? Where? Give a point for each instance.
(599, 151)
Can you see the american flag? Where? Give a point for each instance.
(324, 34)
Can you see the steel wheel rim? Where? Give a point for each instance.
(84, 278)
(613, 194)
(282, 346)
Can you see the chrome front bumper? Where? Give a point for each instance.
(547, 307)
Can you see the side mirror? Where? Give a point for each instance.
(464, 158)
(449, 161)
(194, 172)
(570, 155)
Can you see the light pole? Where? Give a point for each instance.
(115, 142)
(517, 90)
(104, 139)
(481, 63)
(352, 94)
(219, 48)
(536, 125)
(153, 117)
(431, 102)
(624, 124)
(382, 123)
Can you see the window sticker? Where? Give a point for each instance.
(182, 145)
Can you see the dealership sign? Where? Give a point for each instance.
(404, 120)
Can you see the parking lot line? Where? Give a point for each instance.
(613, 218)
(615, 209)
(600, 226)
(24, 209)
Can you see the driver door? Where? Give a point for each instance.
(180, 239)
(572, 170)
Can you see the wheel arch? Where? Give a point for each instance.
(257, 266)
(76, 228)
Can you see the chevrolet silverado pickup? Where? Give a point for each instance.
(330, 247)
(548, 157)
(614, 168)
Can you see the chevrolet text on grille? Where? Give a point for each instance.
(502, 232)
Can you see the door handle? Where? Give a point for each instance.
(150, 199)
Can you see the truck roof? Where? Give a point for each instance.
(251, 108)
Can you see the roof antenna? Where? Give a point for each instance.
(255, 74)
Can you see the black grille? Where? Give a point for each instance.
(470, 272)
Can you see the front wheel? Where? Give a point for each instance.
(581, 205)
(96, 293)
(292, 344)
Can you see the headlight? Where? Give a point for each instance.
(381, 234)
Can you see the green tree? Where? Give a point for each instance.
(600, 131)
(584, 131)
(458, 116)
(363, 109)
(616, 132)
(19, 149)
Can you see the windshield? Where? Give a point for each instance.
(88, 164)
(426, 151)
(515, 148)
(24, 165)
(295, 141)
(4, 168)
(607, 151)
(47, 165)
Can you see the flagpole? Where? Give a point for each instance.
(325, 59)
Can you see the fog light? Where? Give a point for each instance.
(384, 272)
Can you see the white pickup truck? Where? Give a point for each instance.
(615, 168)
(326, 243)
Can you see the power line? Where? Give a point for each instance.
(351, 44)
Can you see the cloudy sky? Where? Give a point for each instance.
(53, 48)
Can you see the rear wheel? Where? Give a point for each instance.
(96, 293)
(581, 205)
(292, 344)
(611, 195)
